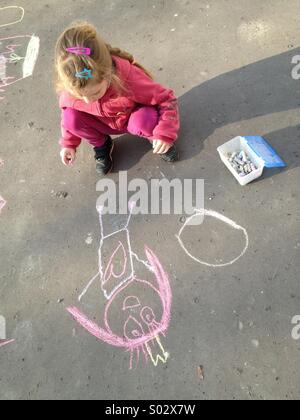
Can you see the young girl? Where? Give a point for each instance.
(104, 92)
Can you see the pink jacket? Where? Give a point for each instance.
(115, 110)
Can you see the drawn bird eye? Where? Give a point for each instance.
(136, 333)
(147, 315)
(133, 329)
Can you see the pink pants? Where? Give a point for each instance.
(142, 123)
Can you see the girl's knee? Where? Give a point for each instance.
(72, 119)
(143, 121)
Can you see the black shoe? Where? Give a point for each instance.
(171, 156)
(103, 157)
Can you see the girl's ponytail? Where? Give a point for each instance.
(127, 56)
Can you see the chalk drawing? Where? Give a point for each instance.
(5, 343)
(218, 216)
(126, 294)
(8, 56)
(15, 63)
(3, 61)
(128, 268)
(2, 203)
(3, 340)
(20, 11)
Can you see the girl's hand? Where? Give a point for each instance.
(68, 156)
(160, 147)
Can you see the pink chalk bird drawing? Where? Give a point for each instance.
(133, 300)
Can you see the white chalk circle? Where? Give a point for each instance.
(20, 11)
(211, 213)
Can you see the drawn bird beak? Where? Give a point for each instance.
(157, 352)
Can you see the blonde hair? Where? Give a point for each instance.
(83, 34)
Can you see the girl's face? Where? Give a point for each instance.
(94, 91)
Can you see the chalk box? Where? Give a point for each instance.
(259, 152)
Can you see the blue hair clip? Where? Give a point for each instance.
(85, 74)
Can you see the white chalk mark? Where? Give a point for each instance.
(101, 271)
(105, 237)
(31, 56)
(2, 328)
(214, 214)
(3, 61)
(88, 286)
(89, 240)
(29, 60)
(19, 8)
(100, 274)
(126, 279)
(14, 58)
(145, 263)
(132, 255)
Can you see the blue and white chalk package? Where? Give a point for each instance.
(247, 157)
